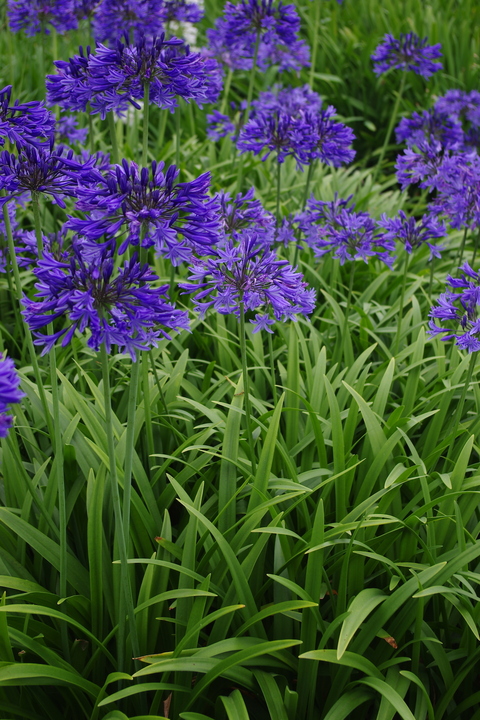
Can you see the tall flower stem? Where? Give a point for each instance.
(246, 386)
(161, 130)
(279, 185)
(28, 334)
(117, 510)
(475, 247)
(315, 44)
(57, 439)
(343, 347)
(146, 109)
(393, 118)
(251, 85)
(113, 137)
(130, 444)
(308, 183)
(459, 410)
(226, 91)
(178, 130)
(272, 368)
(462, 248)
(147, 409)
(400, 310)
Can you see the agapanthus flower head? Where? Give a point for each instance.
(430, 126)
(39, 170)
(242, 212)
(457, 311)
(119, 306)
(67, 131)
(111, 78)
(409, 52)
(180, 11)
(421, 164)
(280, 133)
(248, 271)
(23, 124)
(135, 18)
(85, 8)
(336, 227)
(35, 16)
(148, 206)
(26, 248)
(10, 392)
(219, 126)
(413, 233)
(265, 28)
(458, 191)
(292, 100)
(332, 139)
(461, 105)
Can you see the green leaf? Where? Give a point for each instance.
(361, 606)
(389, 694)
(348, 659)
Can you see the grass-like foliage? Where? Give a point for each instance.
(271, 514)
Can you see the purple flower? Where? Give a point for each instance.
(118, 305)
(460, 104)
(458, 191)
(458, 311)
(292, 100)
(332, 139)
(67, 131)
(408, 53)
(247, 271)
(116, 18)
(431, 126)
(26, 248)
(34, 16)
(219, 126)
(242, 212)
(421, 165)
(148, 207)
(85, 8)
(38, 170)
(281, 133)
(111, 78)
(24, 123)
(335, 227)
(9, 392)
(180, 11)
(412, 233)
(273, 25)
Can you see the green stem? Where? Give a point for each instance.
(246, 386)
(28, 334)
(251, 84)
(315, 44)
(393, 118)
(113, 137)
(272, 368)
(308, 182)
(279, 184)
(226, 91)
(146, 108)
(400, 310)
(121, 540)
(130, 444)
(178, 130)
(37, 223)
(147, 409)
(462, 249)
(344, 345)
(475, 248)
(161, 129)
(459, 410)
(90, 133)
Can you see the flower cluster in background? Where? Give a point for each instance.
(10, 392)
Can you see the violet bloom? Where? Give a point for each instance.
(26, 248)
(180, 11)
(23, 124)
(111, 78)
(335, 227)
(412, 233)
(39, 170)
(116, 18)
(430, 126)
(34, 16)
(9, 392)
(422, 164)
(242, 212)
(271, 25)
(332, 139)
(408, 53)
(85, 9)
(220, 126)
(119, 306)
(457, 310)
(292, 100)
(247, 271)
(67, 131)
(148, 207)
(458, 191)
(281, 133)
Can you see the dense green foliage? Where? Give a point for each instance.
(340, 579)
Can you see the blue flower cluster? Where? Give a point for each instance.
(9, 393)
(458, 311)
(112, 78)
(265, 30)
(409, 52)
